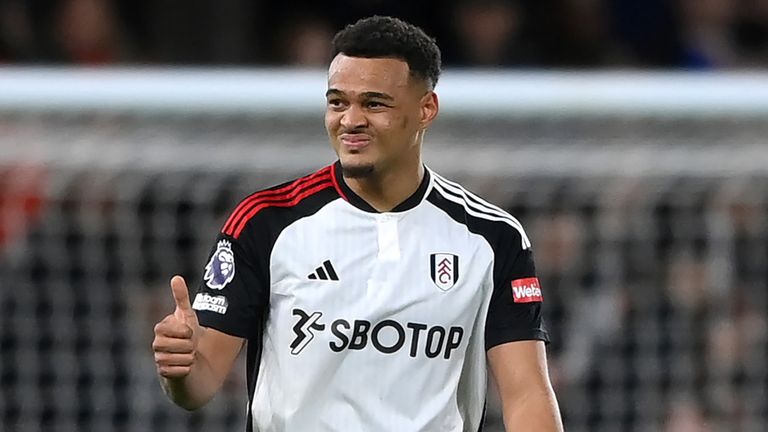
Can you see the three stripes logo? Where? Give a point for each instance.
(444, 270)
(324, 272)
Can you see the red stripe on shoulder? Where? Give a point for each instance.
(242, 214)
(244, 205)
(247, 211)
(288, 201)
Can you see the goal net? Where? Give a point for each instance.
(645, 197)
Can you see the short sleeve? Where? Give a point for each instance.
(515, 311)
(233, 291)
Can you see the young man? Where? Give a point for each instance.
(374, 292)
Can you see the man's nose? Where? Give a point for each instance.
(354, 118)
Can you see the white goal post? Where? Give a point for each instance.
(496, 93)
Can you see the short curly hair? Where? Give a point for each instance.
(388, 37)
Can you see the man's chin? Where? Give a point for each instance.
(357, 170)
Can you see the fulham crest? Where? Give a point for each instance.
(444, 269)
(220, 270)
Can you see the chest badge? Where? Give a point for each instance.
(444, 270)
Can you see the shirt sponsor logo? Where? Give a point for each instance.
(444, 270)
(220, 270)
(207, 302)
(387, 336)
(304, 329)
(526, 290)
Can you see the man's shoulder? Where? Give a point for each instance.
(478, 214)
(283, 201)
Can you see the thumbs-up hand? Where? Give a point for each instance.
(176, 336)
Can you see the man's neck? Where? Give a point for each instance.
(386, 190)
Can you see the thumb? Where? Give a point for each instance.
(180, 293)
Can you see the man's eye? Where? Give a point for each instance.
(374, 104)
(334, 102)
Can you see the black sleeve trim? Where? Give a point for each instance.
(497, 338)
(207, 319)
(217, 327)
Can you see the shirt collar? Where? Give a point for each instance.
(346, 192)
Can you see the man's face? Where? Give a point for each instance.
(375, 112)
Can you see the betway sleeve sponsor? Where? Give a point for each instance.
(526, 290)
(515, 311)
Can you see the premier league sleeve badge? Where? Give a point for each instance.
(220, 270)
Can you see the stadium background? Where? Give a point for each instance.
(128, 129)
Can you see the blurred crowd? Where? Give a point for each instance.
(662, 302)
(655, 284)
(689, 34)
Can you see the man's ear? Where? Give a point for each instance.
(429, 109)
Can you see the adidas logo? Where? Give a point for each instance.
(324, 272)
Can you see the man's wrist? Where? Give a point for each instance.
(177, 390)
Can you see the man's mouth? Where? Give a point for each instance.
(355, 141)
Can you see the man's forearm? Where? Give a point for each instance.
(194, 390)
(537, 412)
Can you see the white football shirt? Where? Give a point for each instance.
(364, 321)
